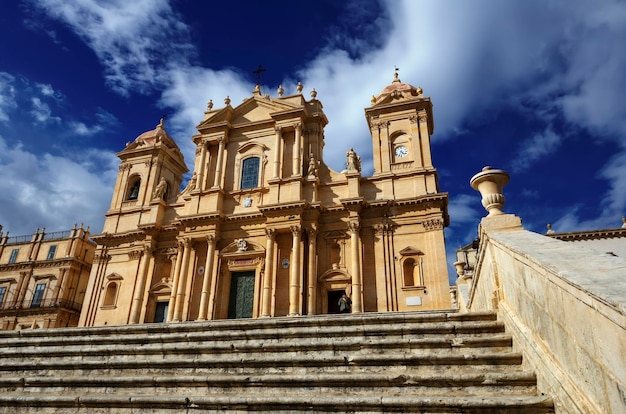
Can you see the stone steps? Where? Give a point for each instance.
(394, 362)
(275, 404)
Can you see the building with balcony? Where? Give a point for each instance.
(43, 277)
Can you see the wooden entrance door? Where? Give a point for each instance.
(241, 300)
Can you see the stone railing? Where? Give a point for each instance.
(564, 304)
(42, 304)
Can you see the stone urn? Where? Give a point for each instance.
(459, 267)
(490, 182)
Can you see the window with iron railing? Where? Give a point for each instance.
(38, 295)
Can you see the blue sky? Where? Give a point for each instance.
(534, 87)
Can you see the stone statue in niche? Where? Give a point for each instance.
(313, 166)
(161, 188)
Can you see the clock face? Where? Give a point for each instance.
(401, 151)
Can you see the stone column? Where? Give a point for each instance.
(312, 296)
(269, 273)
(25, 277)
(297, 160)
(57, 289)
(200, 182)
(174, 276)
(355, 253)
(182, 279)
(208, 273)
(294, 275)
(220, 160)
(141, 283)
(277, 152)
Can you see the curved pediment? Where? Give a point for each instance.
(242, 247)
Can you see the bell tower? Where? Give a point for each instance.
(401, 122)
(150, 173)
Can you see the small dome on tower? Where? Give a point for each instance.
(152, 137)
(397, 90)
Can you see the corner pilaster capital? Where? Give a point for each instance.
(296, 230)
(270, 233)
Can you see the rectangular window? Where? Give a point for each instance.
(38, 296)
(3, 291)
(13, 257)
(250, 173)
(51, 252)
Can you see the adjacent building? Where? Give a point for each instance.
(264, 227)
(43, 278)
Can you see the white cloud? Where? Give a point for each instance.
(41, 111)
(135, 40)
(44, 190)
(540, 145)
(7, 95)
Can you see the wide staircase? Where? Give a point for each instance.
(417, 362)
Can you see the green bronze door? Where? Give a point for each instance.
(241, 295)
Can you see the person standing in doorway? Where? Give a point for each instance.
(345, 304)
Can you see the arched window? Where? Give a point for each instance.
(133, 188)
(250, 173)
(110, 295)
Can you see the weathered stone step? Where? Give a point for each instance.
(517, 383)
(215, 332)
(440, 344)
(102, 404)
(199, 364)
(315, 321)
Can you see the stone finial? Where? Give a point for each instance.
(227, 101)
(299, 87)
(420, 91)
(209, 105)
(313, 94)
(549, 227)
(623, 222)
(373, 100)
(281, 91)
(161, 123)
(257, 90)
(490, 182)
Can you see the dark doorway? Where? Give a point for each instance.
(241, 300)
(160, 312)
(333, 300)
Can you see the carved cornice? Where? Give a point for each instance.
(385, 228)
(433, 224)
(108, 239)
(135, 254)
(102, 258)
(590, 235)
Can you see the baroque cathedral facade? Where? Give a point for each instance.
(264, 228)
